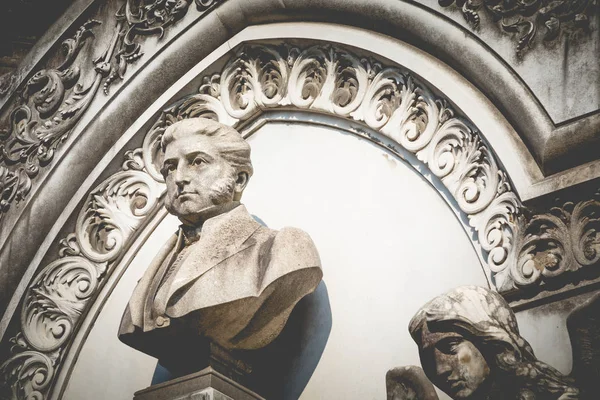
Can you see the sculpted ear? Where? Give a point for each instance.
(240, 184)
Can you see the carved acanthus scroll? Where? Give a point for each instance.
(526, 18)
(61, 293)
(565, 239)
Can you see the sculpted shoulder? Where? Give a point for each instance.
(292, 250)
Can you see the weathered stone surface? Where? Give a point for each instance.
(470, 347)
(584, 330)
(207, 384)
(409, 383)
(223, 277)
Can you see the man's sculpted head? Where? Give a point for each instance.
(206, 168)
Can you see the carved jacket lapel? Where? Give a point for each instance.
(222, 237)
(143, 294)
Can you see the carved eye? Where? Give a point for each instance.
(449, 346)
(167, 169)
(198, 161)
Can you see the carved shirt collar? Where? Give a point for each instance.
(190, 234)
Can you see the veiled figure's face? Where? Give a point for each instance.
(198, 178)
(454, 365)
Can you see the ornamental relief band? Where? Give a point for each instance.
(519, 249)
(526, 19)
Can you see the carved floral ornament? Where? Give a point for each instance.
(526, 18)
(519, 251)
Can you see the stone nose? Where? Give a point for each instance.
(181, 176)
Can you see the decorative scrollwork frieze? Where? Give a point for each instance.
(144, 18)
(50, 105)
(60, 293)
(54, 100)
(27, 375)
(570, 18)
(565, 239)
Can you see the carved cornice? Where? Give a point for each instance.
(53, 100)
(525, 18)
(565, 239)
(518, 250)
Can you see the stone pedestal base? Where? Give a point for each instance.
(207, 384)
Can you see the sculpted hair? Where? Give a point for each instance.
(485, 319)
(232, 146)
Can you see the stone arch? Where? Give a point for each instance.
(383, 97)
(259, 78)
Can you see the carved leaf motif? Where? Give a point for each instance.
(497, 227)
(255, 79)
(524, 18)
(69, 246)
(544, 251)
(585, 231)
(27, 375)
(564, 239)
(310, 73)
(382, 98)
(114, 210)
(55, 300)
(351, 80)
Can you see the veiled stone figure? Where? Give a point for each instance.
(470, 347)
(223, 277)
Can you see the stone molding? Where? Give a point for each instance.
(527, 116)
(61, 294)
(322, 79)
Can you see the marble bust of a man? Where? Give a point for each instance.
(222, 277)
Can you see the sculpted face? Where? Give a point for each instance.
(199, 180)
(455, 365)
